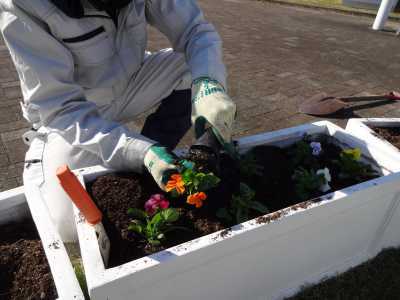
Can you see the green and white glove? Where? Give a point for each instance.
(161, 164)
(211, 104)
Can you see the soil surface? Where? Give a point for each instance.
(391, 134)
(273, 185)
(376, 279)
(276, 187)
(24, 270)
(116, 193)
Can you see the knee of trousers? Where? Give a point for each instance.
(46, 153)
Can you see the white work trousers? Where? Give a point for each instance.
(161, 74)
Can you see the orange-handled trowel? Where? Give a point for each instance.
(87, 207)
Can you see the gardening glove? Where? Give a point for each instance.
(161, 164)
(211, 104)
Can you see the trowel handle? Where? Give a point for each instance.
(394, 96)
(79, 195)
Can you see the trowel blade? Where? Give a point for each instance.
(322, 105)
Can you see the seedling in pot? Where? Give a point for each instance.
(193, 184)
(351, 167)
(306, 153)
(241, 206)
(307, 183)
(155, 221)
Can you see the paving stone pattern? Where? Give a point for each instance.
(277, 56)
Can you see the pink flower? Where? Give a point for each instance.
(156, 202)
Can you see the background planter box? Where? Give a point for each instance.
(267, 258)
(14, 208)
(361, 129)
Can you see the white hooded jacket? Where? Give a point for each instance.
(70, 68)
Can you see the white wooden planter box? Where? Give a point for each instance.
(361, 129)
(256, 260)
(14, 208)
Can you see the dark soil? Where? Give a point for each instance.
(377, 279)
(24, 270)
(274, 187)
(391, 134)
(116, 193)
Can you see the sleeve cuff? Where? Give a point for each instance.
(209, 65)
(135, 152)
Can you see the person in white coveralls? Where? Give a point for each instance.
(85, 71)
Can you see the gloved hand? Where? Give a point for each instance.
(210, 104)
(161, 164)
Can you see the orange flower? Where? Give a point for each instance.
(197, 199)
(176, 183)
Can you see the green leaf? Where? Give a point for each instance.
(135, 228)
(155, 221)
(188, 176)
(259, 207)
(208, 181)
(170, 215)
(137, 213)
(154, 242)
(307, 182)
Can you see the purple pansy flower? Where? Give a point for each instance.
(316, 148)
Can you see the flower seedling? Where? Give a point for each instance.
(192, 183)
(305, 153)
(241, 206)
(196, 182)
(307, 182)
(351, 167)
(155, 222)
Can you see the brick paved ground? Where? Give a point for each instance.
(277, 56)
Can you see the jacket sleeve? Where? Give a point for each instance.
(183, 23)
(46, 71)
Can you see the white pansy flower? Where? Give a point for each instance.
(328, 178)
(316, 148)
